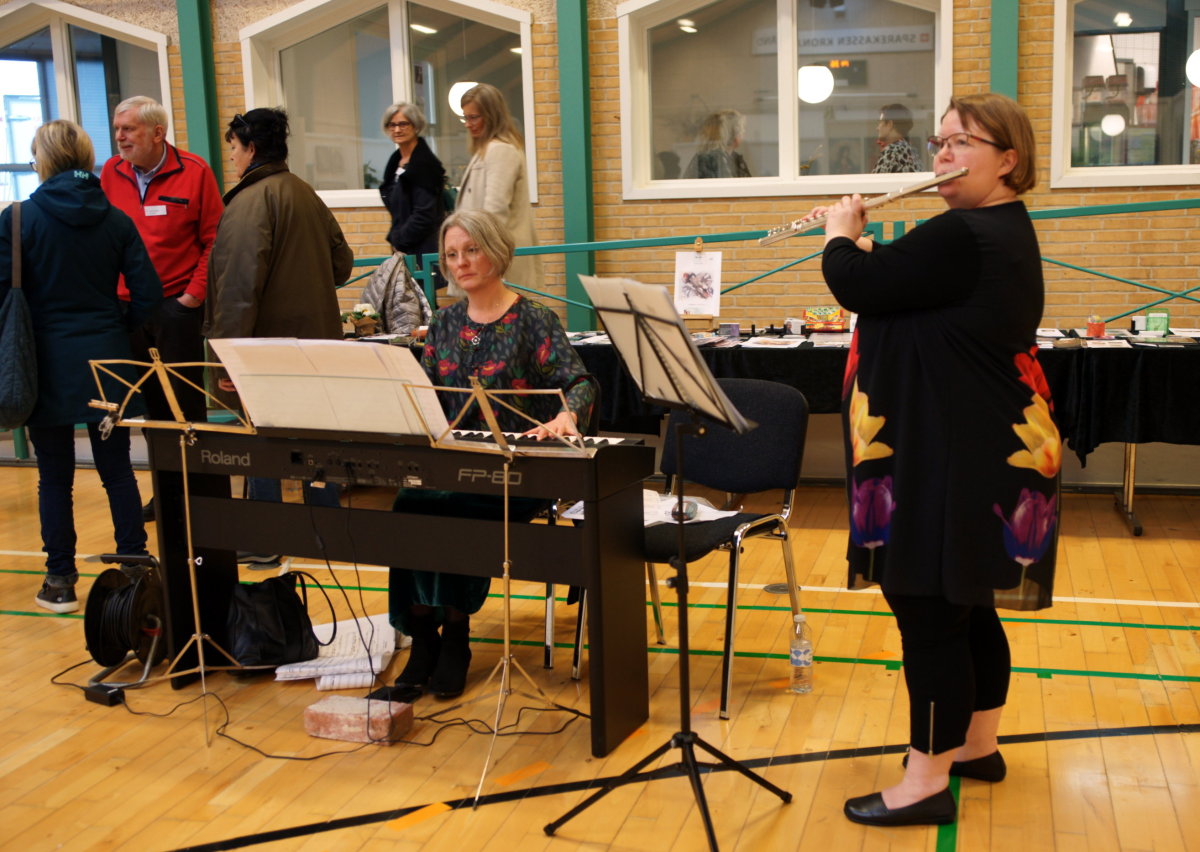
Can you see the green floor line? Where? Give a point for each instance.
(947, 835)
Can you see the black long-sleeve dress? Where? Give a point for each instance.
(952, 453)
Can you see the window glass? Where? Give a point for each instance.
(106, 72)
(1131, 103)
(336, 86)
(880, 56)
(714, 92)
(446, 49)
(29, 100)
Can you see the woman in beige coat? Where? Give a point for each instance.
(496, 179)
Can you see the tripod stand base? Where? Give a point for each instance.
(686, 742)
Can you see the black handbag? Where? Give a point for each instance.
(18, 352)
(268, 623)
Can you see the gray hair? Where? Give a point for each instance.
(411, 112)
(487, 231)
(149, 111)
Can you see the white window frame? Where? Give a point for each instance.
(635, 18)
(262, 43)
(1062, 174)
(25, 17)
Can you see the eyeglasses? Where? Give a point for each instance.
(471, 119)
(470, 253)
(399, 125)
(960, 141)
(240, 119)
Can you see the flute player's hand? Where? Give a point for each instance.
(846, 218)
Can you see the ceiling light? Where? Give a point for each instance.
(515, 50)
(421, 28)
(687, 29)
(455, 98)
(1122, 19)
(686, 22)
(1112, 124)
(814, 83)
(1192, 69)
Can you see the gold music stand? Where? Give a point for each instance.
(507, 662)
(163, 373)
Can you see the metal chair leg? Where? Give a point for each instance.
(655, 602)
(789, 568)
(548, 646)
(730, 625)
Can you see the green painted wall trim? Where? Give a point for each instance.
(1004, 47)
(199, 82)
(575, 114)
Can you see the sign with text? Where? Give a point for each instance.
(861, 40)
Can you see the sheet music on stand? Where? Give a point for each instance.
(349, 386)
(657, 349)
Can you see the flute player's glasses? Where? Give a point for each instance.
(958, 142)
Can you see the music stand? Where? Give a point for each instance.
(161, 372)
(656, 349)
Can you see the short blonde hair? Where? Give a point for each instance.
(487, 232)
(149, 111)
(60, 146)
(412, 113)
(1006, 123)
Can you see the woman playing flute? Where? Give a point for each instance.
(952, 453)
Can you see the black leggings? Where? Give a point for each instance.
(956, 661)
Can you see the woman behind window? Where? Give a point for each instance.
(412, 186)
(895, 123)
(496, 179)
(75, 247)
(718, 157)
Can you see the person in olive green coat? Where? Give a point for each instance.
(278, 258)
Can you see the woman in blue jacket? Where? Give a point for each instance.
(74, 247)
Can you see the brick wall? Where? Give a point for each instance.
(1157, 249)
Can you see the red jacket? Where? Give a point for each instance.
(177, 221)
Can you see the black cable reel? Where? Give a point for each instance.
(125, 613)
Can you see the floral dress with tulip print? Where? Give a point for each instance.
(952, 452)
(526, 349)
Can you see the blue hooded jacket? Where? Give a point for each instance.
(74, 245)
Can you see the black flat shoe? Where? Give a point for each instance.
(938, 809)
(402, 694)
(990, 767)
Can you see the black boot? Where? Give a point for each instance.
(424, 653)
(449, 677)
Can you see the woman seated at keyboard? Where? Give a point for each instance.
(506, 341)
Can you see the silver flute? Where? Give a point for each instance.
(802, 226)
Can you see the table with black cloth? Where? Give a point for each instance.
(1133, 396)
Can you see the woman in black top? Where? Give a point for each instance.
(413, 180)
(952, 452)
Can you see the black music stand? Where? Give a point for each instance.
(658, 352)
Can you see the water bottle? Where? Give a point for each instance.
(801, 656)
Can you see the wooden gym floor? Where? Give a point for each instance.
(1102, 731)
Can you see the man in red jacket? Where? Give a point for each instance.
(173, 199)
